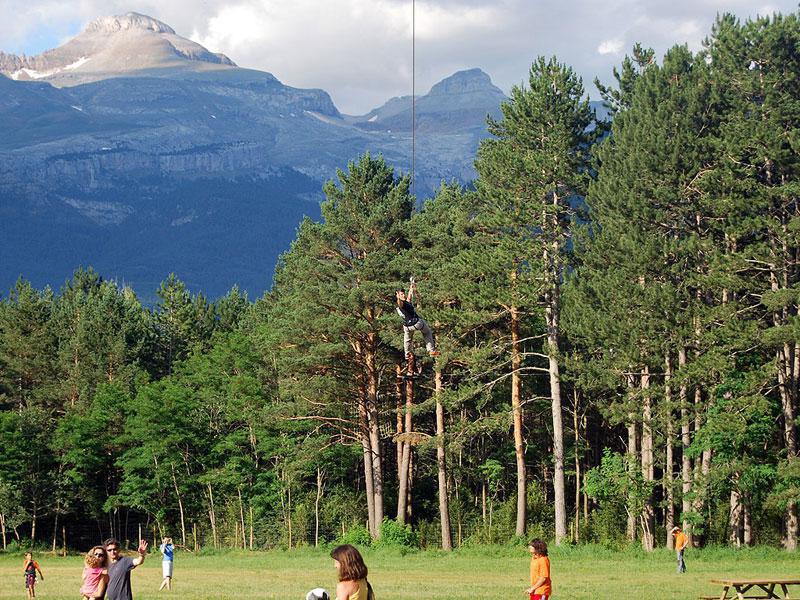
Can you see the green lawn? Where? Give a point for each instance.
(584, 573)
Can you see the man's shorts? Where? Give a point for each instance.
(539, 597)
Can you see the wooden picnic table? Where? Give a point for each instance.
(742, 589)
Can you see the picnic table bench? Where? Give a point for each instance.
(743, 589)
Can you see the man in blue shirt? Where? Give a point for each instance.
(167, 550)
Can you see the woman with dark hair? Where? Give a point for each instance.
(352, 571)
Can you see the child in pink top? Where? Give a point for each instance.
(95, 574)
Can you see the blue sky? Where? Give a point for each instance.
(360, 50)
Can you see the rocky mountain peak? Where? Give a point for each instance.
(132, 20)
(468, 81)
(121, 45)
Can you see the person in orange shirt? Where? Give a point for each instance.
(681, 539)
(541, 587)
(31, 567)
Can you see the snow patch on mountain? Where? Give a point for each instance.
(78, 63)
(27, 74)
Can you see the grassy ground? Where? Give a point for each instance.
(583, 573)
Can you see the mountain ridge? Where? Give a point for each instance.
(181, 162)
(111, 46)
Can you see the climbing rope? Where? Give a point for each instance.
(413, 100)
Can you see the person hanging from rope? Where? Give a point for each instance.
(412, 321)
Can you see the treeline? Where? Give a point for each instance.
(616, 310)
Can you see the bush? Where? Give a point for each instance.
(607, 528)
(429, 534)
(395, 535)
(357, 535)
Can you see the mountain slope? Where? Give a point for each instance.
(141, 153)
(111, 47)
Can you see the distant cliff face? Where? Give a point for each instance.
(139, 152)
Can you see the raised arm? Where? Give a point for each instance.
(142, 550)
(412, 291)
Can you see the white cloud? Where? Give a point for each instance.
(360, 50)
(614, 46)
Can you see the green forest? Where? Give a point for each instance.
(615, 303)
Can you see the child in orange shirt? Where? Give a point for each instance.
(31, 567)
(541, 587)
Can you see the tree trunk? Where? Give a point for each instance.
(747, 525)
(366, 447)
(289, 512)
(702, 464)
(786, 381)
(631, 455)
(560, 500)
(241, 519)
(441, 463)
(669, 474)
(180, 505)
(631, 452)
(735, 518)
(33, 527)
(576, 430)
(3, 530)
(648, 471)
(55, 529)
(374, 427)
(483, 500)
(400, 400)
(405, 462)
(686, 461)
(409, 506)
(212, 516)
(320, 486)
(516, 407)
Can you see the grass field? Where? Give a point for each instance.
(581, 573)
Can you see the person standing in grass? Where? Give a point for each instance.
(95, 574)
(352, 571)
(541, 587)
(681, 539)
(31, 567)
(119, 569)
(167, 549)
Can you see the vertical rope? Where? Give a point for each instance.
(413, 101)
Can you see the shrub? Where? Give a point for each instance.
(357, 535)
(395, 535)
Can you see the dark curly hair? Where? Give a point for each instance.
(539, 547)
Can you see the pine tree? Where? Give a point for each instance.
(755, 79)
(529, 175)
(333, 294)
(634, 301)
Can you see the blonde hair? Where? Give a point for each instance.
(92, 561)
